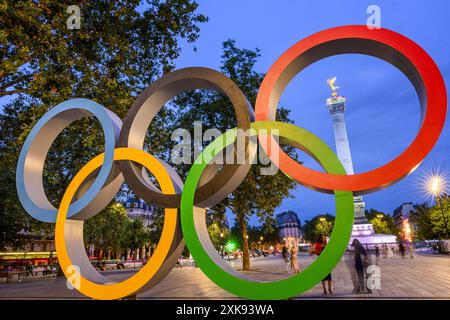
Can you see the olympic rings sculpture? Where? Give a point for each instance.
(95, 185)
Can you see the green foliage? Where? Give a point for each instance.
(102, 229)
(134, 234)
(120, 49)
(316, 227)
(155, 229)
(432, 222)
(324, 227)
(421, 219)
(218, 235)
(382, 223)
(116, 42)
(440, 217)
(258, 194)
(267, 231)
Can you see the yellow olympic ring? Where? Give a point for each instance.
(134, 284)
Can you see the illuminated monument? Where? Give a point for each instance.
(362, 229)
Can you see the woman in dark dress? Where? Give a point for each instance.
(318, 248)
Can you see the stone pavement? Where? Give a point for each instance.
(425, 276)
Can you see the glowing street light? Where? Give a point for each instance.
(435, 185)
(230, 246)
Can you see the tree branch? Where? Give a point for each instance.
(14, 82)
(15, 91)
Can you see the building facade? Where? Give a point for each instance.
(289, 228)
(137, 208)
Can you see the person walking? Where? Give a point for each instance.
(377, 251)
(410, 250)
(360, 265)
(294, 262)
(285, 253)
(385, 251)
(350, 263)
(319, 246)
(401, 249)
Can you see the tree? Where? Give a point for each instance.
(218, 236)
(102, 229)
(134, 234)
(382, 223)
(217, 228)
(269, 231)
(258, 194)
(120, 49)
(324, 227)
(116, 42)
(440, 217)
(156, 227)
(421, 218)
(320, 225)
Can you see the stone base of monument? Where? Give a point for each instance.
(368, 238)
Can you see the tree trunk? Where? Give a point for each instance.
(245, 253)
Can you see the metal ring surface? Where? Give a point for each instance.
(70, 245)
(193, 222)
(31, 161)
(150, 101)
(385, 44)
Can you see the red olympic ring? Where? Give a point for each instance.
(388, 45)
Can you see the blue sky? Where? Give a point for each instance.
(382, 107)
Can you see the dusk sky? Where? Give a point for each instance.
(382, 114)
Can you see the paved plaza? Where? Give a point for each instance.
(425, 276)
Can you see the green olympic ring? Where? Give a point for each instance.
(216, 269)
